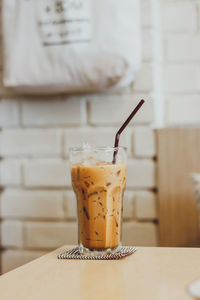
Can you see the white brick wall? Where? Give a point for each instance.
(179, 16)
(63, 111)
(9, 113)
(10, 172)
(183, 109)
(183, 47)
(129, 210)
(95, 136)
(182, 78)
(146, 206)
(49, 235)
(140, 173)
(116, 109)
(12, 234)
(38, 235)
(181, 61)
(15, 258)
(148, 41)
(147, 8)
(46, 173)
(38, 206)
(140, 234)
(144, 142)
(144, 78)
(32, 204)
(69, 205)
(31, 142)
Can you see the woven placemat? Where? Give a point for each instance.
(75, 254)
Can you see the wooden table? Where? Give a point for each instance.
(150, 273)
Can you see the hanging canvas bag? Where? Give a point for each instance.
(53, 46)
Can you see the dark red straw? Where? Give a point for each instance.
(117, 136)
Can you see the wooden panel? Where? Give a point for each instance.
(178, 156)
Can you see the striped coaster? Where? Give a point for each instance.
(75, 254)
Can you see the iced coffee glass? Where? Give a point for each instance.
(99, 187)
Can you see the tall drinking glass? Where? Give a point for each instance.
(99, 187)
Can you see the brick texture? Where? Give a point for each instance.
(184, 47)
(12, 234)
(185, 21)
(46, 173)
(70, 205)
(147, 13)
(120, 106)
(30, 142)
(181, 60)
(183, 110)
(10, 172)
(147, 40)
(146, 206)
(12, 259)
(9, 113)
(49, 235)
(139, 234)
(49, 112)
(129, 209)
(96, 137)
(144, 142)
(140, 173)
(144, 78)
(182, 78)
(31, 204)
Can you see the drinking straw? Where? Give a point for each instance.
(117, 136)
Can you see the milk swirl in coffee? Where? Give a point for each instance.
(99, 191)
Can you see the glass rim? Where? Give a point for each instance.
(108, 148)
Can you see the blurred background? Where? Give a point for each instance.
(38, 211)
